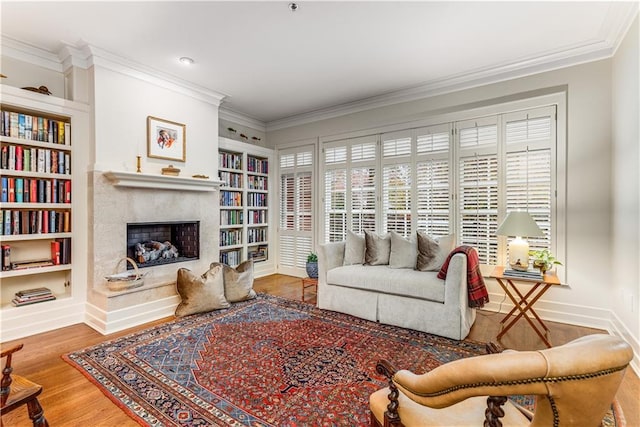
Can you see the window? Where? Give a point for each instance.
(457, 177)
(296, 207)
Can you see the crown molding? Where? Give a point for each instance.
(230, 115)
(87, 56)
(619, 18)
(28, 53)
(110, 61)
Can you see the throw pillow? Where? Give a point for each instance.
(238, 282)
(404, 252)
(354, 247)
(433, 252)
(378, 248)
(200, 293)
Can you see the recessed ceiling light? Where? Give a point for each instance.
(186, 60)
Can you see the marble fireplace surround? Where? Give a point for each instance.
(118, 198)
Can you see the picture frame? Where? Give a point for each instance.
(166, 139)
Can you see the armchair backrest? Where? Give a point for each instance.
(574, 383)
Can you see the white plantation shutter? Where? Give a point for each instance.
(349, 187)
(478, 187)
(529, 140)
(295, 237)
(335, 182)
(396, 182)
(432, 179)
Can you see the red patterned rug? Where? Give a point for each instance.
(265, 362)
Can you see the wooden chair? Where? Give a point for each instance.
(17, 391)
(573, 384)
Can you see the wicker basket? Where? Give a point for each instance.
(126, 280)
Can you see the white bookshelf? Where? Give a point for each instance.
(247, 227)
(22, 224)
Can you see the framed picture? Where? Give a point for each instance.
(166, 139)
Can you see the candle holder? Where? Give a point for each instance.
(138, 164)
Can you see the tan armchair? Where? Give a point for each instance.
(574, 385)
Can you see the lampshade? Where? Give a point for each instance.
(519, 223)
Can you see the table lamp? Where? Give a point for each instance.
(519, 224)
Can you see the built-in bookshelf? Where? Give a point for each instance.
(36, 211)
(245, 204)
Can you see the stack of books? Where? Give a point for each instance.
(528, 274)
(32, 296)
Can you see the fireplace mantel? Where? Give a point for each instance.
(161, 182)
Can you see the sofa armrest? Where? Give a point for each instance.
(330, 255)
(455, 285)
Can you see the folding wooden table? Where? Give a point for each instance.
(524, 303)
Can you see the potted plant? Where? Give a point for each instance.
(543, 259)
(312, 265)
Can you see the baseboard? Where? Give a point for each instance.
(572, 314)
(28, 323)
(118, 320)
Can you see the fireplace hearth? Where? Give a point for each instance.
(157, 243)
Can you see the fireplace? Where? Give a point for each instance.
(158, 243)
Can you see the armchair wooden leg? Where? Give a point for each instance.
(36, 413)
(494, 411)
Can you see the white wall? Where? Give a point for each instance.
(625, 190)
(122, 104)
(588, 298)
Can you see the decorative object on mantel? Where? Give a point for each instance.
(170, 170)
(166, 139)
(138, 164)
(41, 89)
(200, 176)
(125, 280)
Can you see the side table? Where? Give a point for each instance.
(524, 303)
(309, 282)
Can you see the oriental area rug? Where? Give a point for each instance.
(265, 362)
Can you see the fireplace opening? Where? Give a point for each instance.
(158, 243)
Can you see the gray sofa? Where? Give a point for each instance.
(402, 297)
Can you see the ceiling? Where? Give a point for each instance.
(275, 64)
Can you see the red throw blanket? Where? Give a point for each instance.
(478, 294)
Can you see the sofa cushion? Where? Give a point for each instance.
(404, 252)
(433, 252)
(354, 248)
(381, 278)
(200, 294)
(378, 248)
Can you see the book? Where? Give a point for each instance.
(34, 291)
(529, 274)
(6, 257)
(19, 190)
(67, 133)
(12, 157)
(23, 265)
(5, 189)
(19, 303)
(4, 163)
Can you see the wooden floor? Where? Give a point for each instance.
(69, 399)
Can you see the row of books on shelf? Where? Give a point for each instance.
(257, 165)
(230, 237)
(32, 296)
(60, 254)
(257, 217)
(16, 221)
(257, 182)
(230, 160)
(233, 257)
(230, 198)
(255, 235)
(34, 128)
(231, 179)
(231, 217)
(257, 199)
(44, 160)
(35, 190)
